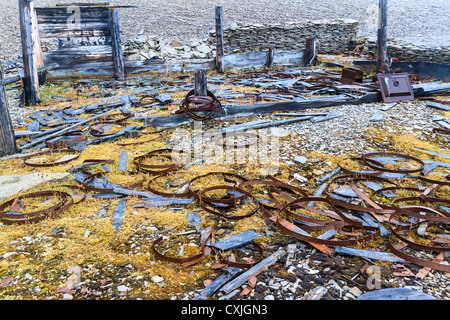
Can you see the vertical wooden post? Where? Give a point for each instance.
(382, 37)
(7, 138)
(269, 62)
(200, 83)
(36, 38)
(116, 44)
(30, 79)
(310, 52)
(219, 40)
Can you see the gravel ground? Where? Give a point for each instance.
(412, 20)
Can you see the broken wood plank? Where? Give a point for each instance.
(236, 240)
(123, 161)
(7, 138)
(255, 270)
(439, 106)
(373, 255)
(118, 214)
(395, 294)
(216, 284)
(200, 83)
(36, 141)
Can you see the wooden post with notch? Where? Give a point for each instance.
(30, 59)
(7, 138)
(382, 37)
(116, 44)
(200, 83)
(310, 52)
(219, 40)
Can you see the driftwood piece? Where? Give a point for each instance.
(255, 270)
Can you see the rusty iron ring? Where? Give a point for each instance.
(233, 205)
(409, 258)
(375, 208)
(166, 194)
(339, 221)
(378, 166)
(32, 217)
(90, 176)
(410, 210)
(204, 251)
(79, 137)
(241, 265)
(156, 169)
(273, 183)
(146, 141)
(281, 224)
(356, 173)
(192, 104)
(56, 163)
(227, 178)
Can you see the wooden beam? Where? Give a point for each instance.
(200, 83)
(30, 64)
(219, 40)
(7, 138)
(310, 52)
(269, 62)
(36, 38)
(116, 44)
(382, 37)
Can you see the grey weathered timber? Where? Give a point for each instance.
(200, 83)
(30, 64)
(7, 138)
(382, 37)
(116, 44)
(216, 284)
(373, 255)
(253, 271)
(219, 40)
(395, 294)
(236, 240)
(269, 62)
(118, 214)
(58, 133)
(310, 52)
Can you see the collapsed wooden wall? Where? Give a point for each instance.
(79, 40)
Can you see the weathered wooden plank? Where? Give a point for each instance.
(310, 52)
(116, 44)
(30, 80)
(382, 37)
(255, 270)
(200, 83)
(219, 40)
(7, 139)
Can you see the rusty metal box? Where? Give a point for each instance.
(395, 87)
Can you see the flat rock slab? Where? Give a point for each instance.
(395, 294)
(11, 185)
